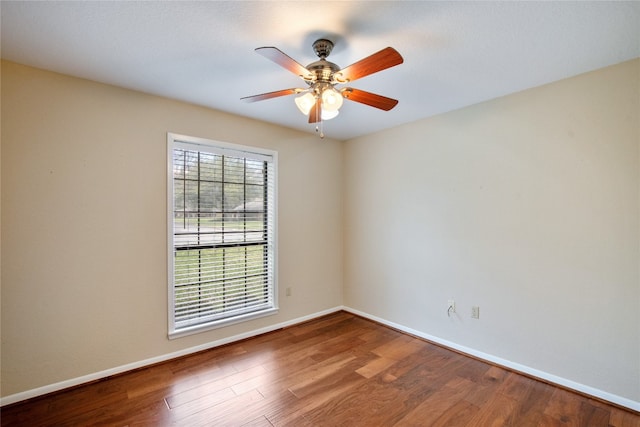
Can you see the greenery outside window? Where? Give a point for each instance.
(222, 260)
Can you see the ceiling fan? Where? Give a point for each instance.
(322, 100)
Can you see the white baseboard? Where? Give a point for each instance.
(618, 400)
(40, 391)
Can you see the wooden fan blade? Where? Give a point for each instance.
(368, 98)
(270, 95)
(283, 60)
(316, 112)
(386, 58)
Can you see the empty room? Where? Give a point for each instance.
(349, 213)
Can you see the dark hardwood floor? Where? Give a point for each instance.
(339, 370)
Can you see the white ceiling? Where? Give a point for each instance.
(455, 53)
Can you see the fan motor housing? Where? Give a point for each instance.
(323, 70)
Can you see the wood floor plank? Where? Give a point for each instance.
(620, 418)
(548, 421)
(228, 410)
(183, 381)
(571, 409)
(212, 387)
(516, 386)
(530, 406)
(317, 326)
(337, 370)
(371, 400)
(148, 381)
(592, 415)
(444, 406)
(261, 421)
(325, 378)
(376, 366)
(497, 412)
(296, 413)
(314, 391)
(459, 414)
(201, 402)
(399, 348)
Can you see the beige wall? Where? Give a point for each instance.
(526, 206)
(84, 281)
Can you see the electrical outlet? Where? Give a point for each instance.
(287, 292)
(475, 312)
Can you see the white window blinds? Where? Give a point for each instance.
(222, 235)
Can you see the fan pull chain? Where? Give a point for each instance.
(319, 119)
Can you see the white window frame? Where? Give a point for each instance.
(221, 148)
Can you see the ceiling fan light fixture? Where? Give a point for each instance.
(331, 100)
(328, 115)
(305, 103)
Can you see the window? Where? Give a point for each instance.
(222, 260)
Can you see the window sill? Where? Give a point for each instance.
(190, 330)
